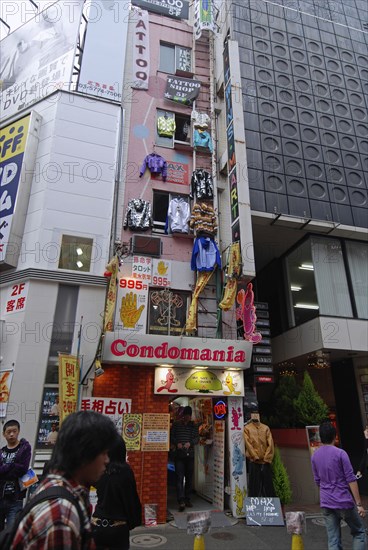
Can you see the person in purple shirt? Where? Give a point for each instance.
(339, 493)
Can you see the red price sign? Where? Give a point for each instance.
(160, 281)
(132, 284)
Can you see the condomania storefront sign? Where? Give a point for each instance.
(129, 348)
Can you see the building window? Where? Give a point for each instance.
(317, 281)
(161, 201)
(175, 59)
(167, 311)
(357, 257)
(330, 277)
(76, 253)
(172, 128)
(301, 285)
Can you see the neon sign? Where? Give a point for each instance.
(220, 409)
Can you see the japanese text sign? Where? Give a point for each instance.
(68, 384)
(109, 406)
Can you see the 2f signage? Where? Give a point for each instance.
(14, 300)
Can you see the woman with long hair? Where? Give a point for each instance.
(118, 508)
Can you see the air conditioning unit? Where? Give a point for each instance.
(146, 245)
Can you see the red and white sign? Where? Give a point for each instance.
(131, 305)
(142, 268)
(177, 172)
(130, 348)
(141, 50)
(109, 406)
(14, 298)
(161, 272)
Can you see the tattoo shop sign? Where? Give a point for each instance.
(141, 50)
(178, 9)
(182, 90)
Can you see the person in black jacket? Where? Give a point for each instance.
(118, 508)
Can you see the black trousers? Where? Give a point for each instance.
(111, 538)
(260, 480)
(184, 468)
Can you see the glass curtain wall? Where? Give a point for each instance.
(357, 257)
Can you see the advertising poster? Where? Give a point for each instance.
(68, 385)
(38, 57)
(13, 145)
(6, 377)
(238, 477)
(132, 431)
(132, 305)
(218, 463)
(169, 380)
(203, 17)
(167, 312)
(161, 272)
(48, 426)
(155, 432)
(103, 60)
(109, 406)
(178, 173)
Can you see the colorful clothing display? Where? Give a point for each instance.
(201, 185)
(202, 139)
(166, 126)
(155, 164)
(203, 220)
(205, 255)
(200, 120)
(232, 273)
(178, 215)
(246, 312)
(138, 215)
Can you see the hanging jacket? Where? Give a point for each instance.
(203, 220)
(138, 215)
(202, 139)
(201, 120)
(155, 164)
(178, 215)
(166, 126)
(259, 446)
(205, 255)
(201, 185)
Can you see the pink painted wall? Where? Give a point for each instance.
(143, 131)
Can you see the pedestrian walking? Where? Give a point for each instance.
(184, 437)
(14, 463)
(339, 493)
(118, 508)
(79, 458)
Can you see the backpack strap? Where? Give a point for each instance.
(52, 493)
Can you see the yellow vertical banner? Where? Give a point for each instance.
(68, 384)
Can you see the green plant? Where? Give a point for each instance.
(281, 482)
(309, 405)
(282, 413)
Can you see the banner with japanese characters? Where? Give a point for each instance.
(131, 305)
(68, 385)
(14, 298)
(132, 431)
(38, 57)
(112, 407)
(6, 377)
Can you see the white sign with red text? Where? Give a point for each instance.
(13, 299)
(109, 406)
(161, 273)
(131, 305)
(142, 268)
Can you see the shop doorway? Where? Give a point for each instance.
(202, 496)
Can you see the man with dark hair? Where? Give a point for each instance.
(14, 463)
(184, 435)
(339, 493)
(78, 460)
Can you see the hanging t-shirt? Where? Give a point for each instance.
(166, 126)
